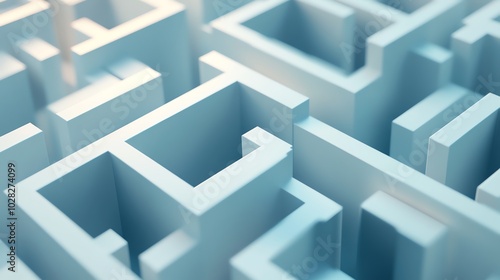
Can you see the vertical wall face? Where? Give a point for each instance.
(405, 5)
(338, 178)
(114, 99)
(385, 86)
(17, 109)
(332, 183)
(377, 246)
(488, 192)
(111, 13)
(136, 27)
(411, 131)
(324, 139)
(462, 154)
(488, 67)
(283, 61)
(73, 193)
(36, 241)
(137, 198)
(297, 24)
(115, 200)
(495, 154)
(412, 251)
(206, 139)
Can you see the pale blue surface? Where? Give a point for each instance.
(237, 139)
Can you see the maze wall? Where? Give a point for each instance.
(239, 139)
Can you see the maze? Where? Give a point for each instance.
(239, 139)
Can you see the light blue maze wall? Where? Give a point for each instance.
(237, 139)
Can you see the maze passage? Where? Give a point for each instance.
(238, 139)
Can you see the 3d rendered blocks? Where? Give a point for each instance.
(238, 139)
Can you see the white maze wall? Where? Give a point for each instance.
(238, 139)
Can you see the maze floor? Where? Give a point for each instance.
(250, 139)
